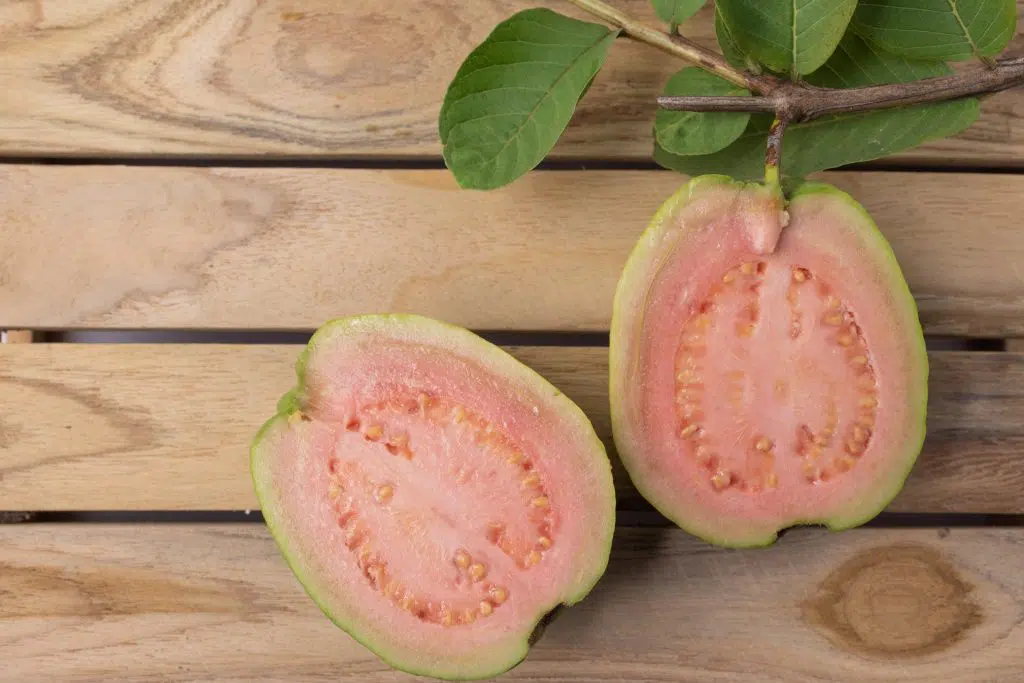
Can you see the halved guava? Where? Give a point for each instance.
(768, 367)
(436, 497)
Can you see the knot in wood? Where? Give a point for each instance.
(896, 601)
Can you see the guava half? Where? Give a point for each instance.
(767, 363)
(436, 497)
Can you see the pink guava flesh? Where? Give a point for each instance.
(435, 496)
(756, 389)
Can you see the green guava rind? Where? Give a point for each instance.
(885, 490)
(480, 664)
(627, 325)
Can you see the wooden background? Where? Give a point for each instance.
(189, 187)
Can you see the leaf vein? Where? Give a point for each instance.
(967, 34)
(984, 35)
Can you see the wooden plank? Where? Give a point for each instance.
(94, 427)
(205, 602)
(322, 78)
(15, 337)
(263, 248)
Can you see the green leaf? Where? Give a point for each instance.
(674, 12)
(857, 63)
(830, 142)
(688, 132)
(938, 29)
(730, 50)
(843, 139)
(743, 159)
(794, 37)
(515, 93)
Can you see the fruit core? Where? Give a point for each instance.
(800, 419)
(418, 466)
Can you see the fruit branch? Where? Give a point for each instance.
(796, 102)
(802, 102)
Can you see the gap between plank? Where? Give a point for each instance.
(297, 337)
(437, 163)
(500, 337)
(624, 518)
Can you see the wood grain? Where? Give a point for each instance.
(261, 248)
(361, 78)
(121, 426)
(205, 602)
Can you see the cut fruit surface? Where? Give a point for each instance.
(767, 364)
(435, 496)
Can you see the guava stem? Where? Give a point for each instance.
(773, 154)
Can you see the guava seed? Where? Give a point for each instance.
(384, 493)
(476, 571)
(462, 559)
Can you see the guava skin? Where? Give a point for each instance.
(667, 242)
